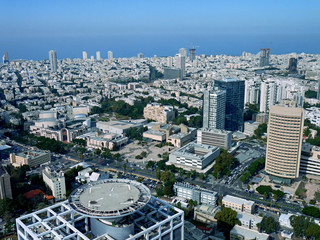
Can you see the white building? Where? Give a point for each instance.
(269, 95)
(110, 55)
(284, 220)
(310, 159)
(194, 156)
(214, 137)
(56, 182)
(98, 55)
(84, 55)
(124, 210)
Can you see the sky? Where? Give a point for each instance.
(29, 29)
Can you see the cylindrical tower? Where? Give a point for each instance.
(109, 204)
(285, 131)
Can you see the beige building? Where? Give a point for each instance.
(285, 133)
(31, 158)
(158, 113)
(56, 182)
(238, 204)
(205, 213)
(5, 184)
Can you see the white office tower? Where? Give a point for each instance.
(268, 96)
(84, 55)
(140, 55)
(98, 56)
(252, 91)
(110, 55)
(53, 60)
(181, 63)
(214, 109)
(169, 61)
(183, 52)
(108, 209)
(92, 58)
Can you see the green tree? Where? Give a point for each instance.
(310, 94)
(313, 231)
(227, 218)
(261, 130)
(269, 225)
(300, 224)
(311, 211)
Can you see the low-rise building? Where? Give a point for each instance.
(249, 220)
(205, 213)
(238, 204)
(194, 156)
(56, 182)
(250, 127)
(284, 220)
(215, 137)
(310, 159)
(155, 135)
(31, 158)
(158, 112)
(201, 195)
(118, 127)
(243, 233)
(5, 184)
(105, 140)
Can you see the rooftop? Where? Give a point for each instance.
(237, 200)
(110, 198)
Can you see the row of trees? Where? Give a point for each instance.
(225, 162)
(267, 190)
(253, 168)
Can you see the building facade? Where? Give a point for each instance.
(194, 156)
(56, 182)
(5, 184)
(238, 204)
(53, 60)
(234, 102)
(285, 133)
(31, 158)
(214, 137)
(159, 113)
(214, 109)
(264, 57)
(198, 194)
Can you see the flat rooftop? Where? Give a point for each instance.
(110, 198)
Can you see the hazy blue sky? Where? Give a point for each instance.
(29, 28)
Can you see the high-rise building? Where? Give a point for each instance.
(140, 55)
(106, 209)
(285, 133)
(293, 64)
(98, 55)
(172, 73)
(5, 58)
(318, 95)
(214, 109)
(169, 61)
(110, 55)
(181, 63)
(268, 95)
(5, 184)
(234, 102)
(183, 52)
(53, 60)
(84, 55)
(56, 182)
(264, 57)
(252, 92)
(192, 53)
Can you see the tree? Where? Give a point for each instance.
(311, 211)
(313, 231)
(261, 130)
(262, 189)
(224, 163)
(269, 225)
(310, 94)
(97, 152)
(227, 218)
(300, 224)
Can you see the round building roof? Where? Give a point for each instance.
(110, 198)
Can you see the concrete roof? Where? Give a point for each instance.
(237, 200)
(248, 233)
(110, 198)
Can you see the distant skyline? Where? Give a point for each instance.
(29, 29)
